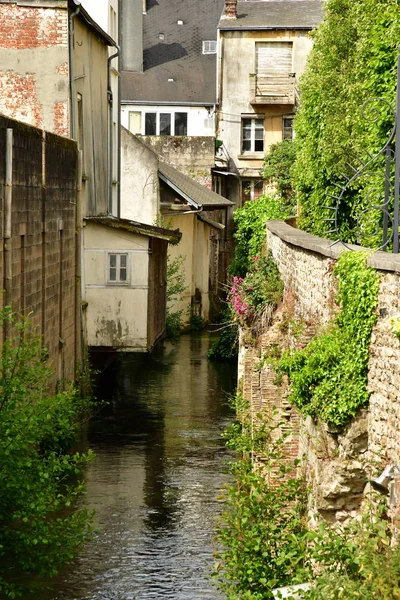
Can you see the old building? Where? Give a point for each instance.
(55, 75)
(169, 75)
(125, 283)
(263, 47)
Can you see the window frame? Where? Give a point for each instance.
(118, 281)
(252, 139)
(172, 122)
(252, 184)
(212, 47)
(291, 135)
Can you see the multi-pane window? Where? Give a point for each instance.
(209, 47)
(118, 268)
(180, 123)
(252, 135)
(252, 189)
(165, 123)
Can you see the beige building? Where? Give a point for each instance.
(125, 285)
(263, 47)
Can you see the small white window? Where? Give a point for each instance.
(209, 47)
(252, 135)
(118, 268)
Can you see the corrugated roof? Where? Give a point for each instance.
(196, 194)
(171, 236)
(275, 14)
(178, 56)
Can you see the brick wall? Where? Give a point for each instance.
(34, 59)
(43, 238)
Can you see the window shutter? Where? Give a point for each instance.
(274, 58)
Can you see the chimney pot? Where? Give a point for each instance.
(230, 9)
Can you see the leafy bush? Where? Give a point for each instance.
(175, 288)
(250, 231)
(356, 561)
(226, 347)
(262, 533)
(277, 171)
(329, 376)
(39, 531)
(262, 286)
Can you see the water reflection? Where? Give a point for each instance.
(155, 481)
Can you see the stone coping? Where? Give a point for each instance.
(382, 261)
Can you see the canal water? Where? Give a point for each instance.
(156, 480)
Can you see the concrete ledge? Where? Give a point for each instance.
(382, 261)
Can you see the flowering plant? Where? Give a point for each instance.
(261, 286)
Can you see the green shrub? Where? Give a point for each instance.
(40, 527)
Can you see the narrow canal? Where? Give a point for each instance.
(156, 478)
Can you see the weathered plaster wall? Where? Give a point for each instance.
(33, 80)
(140, 200)
(339, 463)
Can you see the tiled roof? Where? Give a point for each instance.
(196, 194)
(275, 14)
(178, 56)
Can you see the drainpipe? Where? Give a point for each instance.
(71, 69)
(7, 228)
(111, 136)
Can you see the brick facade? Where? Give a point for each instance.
(34, 90)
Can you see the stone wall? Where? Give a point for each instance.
(338, 463)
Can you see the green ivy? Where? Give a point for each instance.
(353, 58)
(329, 376)
(250, 221)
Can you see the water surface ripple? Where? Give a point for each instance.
(156, 478)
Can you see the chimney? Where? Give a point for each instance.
(230, 9)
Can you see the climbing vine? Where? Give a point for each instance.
(329, 376)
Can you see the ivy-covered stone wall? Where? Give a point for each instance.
(339, 462)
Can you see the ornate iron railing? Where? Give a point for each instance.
(386, 162)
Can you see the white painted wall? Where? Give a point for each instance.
(199, 121)
(116, 315)
(139, 180)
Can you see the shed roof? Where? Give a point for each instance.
(171, 236)
(274, 14)
(194, 193)
(178, 56)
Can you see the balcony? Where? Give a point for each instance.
(266, 89)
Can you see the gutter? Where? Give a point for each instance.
(110, 133)
(71, 69)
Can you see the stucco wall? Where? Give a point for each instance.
(139, 180)
(116, 315)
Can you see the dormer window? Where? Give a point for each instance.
(209, 47)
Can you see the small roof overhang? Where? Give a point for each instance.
(195, 194)
(172, 236)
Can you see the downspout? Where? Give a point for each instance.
(110, 127)
(7, 228)
(72, 70)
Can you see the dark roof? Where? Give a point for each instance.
(194, 193)
(274, 14)
(171, 236)
(179, 56)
